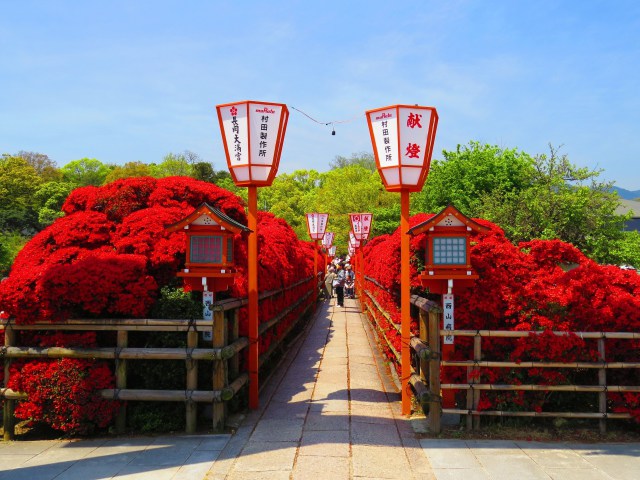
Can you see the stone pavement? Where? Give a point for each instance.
(331, 411)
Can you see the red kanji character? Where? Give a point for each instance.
(413, 149)
(414, 120)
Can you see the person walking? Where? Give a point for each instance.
(338, 285)
(349, 282)
(328, 281)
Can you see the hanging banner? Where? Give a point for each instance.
(448, 317)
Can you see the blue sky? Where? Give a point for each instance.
(134, 80)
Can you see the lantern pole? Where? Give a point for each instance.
(405, 301)
(252, 271)
(315, 270)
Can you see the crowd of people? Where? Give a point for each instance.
(339, 281)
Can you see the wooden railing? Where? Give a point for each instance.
(227, 379)
(427, 364)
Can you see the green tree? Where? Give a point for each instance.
(11, 242)
(561, 201)
(290, 197)
(172, 165)
(18, 183)
(42, 164)
(545, 196)
(352, 189)
(49, 198)
(470, 172)
(363, 159)
(128, 170)
(86, 171)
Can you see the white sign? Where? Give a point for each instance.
(353, 241)
(448, 317)
(207, 305)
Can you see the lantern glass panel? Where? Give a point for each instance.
(241, 173)
(229, 249)
(411, 176)
(206, 249)
(391, 175)
(449, 251)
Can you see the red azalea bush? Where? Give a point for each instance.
(109, 257)
(541, 285)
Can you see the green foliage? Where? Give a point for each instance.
(465, 176)
(18, 183)
(11, 243)
(86, 171)
(49, 199)
(626, 250)
(176, 303)
(362, 159)
(128, 170)
(156, 417)
(42, 164)
(544, 197)
(173, 164)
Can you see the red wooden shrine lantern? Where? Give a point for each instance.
(448, 247)
(209, 264)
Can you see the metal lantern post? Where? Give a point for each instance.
(403, 138)
(316, 226)
(253, 134)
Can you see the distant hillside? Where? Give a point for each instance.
(627, 194)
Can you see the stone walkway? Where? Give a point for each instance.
(330, 412)
(333, 414)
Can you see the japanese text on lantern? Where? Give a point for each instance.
(264, 132)
(448, 317)
(235, 129)
(413, 121)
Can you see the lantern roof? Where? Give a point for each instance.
(205, 214)
(450, 216)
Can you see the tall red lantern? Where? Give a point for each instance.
(403, 137)
(253, 135)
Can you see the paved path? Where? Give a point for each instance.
(331, 412)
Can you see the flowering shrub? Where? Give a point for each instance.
(65, 394)
(109, 257)
(541, 285)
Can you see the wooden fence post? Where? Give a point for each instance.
(602, 380)
(122, 341)
(473, 396)
(192, 383)
(234, 332)
(423, 333)
(9, 421)
(219, 367)
(435, 406)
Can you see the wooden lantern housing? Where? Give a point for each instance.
(448, 247)
(209, 261)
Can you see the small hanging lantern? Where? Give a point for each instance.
(327, 240)
(361, 225)
(209, 264)
(448, 249)
(353, 240)
(317, 225)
